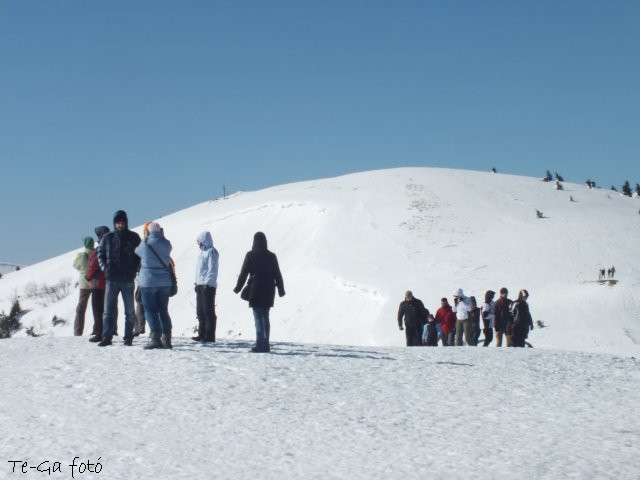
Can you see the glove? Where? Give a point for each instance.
(236, 290)
(401, 328)
(281, 293)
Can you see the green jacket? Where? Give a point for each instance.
(80, 263)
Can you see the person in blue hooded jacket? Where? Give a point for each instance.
(205, 285)
(154, 280)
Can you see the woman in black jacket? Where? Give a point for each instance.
(262, 266)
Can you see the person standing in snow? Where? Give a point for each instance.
(522, 321)
(462, 307)
(120, 265)
(474, 321)
(415, 316)
(446, 318)
(206, 285)
(98, 284)
(502, 309)
(265, 277)
(430, 332)
(80, 264)
(139, 327)
(488, 317)
(155, 284)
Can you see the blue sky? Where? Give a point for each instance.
(151, 106)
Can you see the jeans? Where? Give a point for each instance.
(155, 301)
(111, 308)
(449, 339)
(263, 328)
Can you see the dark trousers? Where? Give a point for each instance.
(81, 310)
(488, 336)
(414, 335)
(97, 305)
(140, 319)
(206, 311)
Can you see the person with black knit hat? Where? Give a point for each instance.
(263, 267)
(120, 264)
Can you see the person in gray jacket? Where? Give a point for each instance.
(206, 285)
(154, 280)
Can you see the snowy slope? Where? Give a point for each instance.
(317, 412)
(8, 267)
(350, 246)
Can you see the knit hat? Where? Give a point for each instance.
(121, 216)
(88, 243)
(458, 293)
(153, 227)
(101, 231)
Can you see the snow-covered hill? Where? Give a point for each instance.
(350, 246)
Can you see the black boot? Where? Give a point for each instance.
(166, 341)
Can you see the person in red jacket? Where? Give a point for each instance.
(97, 283)
(446, 318)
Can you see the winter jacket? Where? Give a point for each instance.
(430, 334)
(116, 253)
(414, 313)
(522, 321)
(502, 309)
(446, 318)
(80, 263)
(474, 317)
(263, 267)
(152, 272)
(207, 263)
(94, 274)
(463, 308)
(488, 314)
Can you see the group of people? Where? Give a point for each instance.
(510, 320)
(123, 259)
(609, 273)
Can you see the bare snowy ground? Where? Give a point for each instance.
(306, 411)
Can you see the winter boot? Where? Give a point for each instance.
(166, 342)
(154, 341)
(95, 339)
(104, 342)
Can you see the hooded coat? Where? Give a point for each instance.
(116, 252)
(152, 272)
(80, 263)
(263, 267)
(207, 263)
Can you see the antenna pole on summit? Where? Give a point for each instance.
(224, 192)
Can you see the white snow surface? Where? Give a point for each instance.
(350, 246)
(317, 412)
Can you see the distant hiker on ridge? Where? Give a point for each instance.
(415, 316)
(120, 265)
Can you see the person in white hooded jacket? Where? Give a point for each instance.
(206, 285)
(462, 307)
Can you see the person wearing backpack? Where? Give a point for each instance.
(206, 285)
(80, 264)
(98, 283)
(522, 321)
(414, 313)
(155, 284)
(503, 319)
